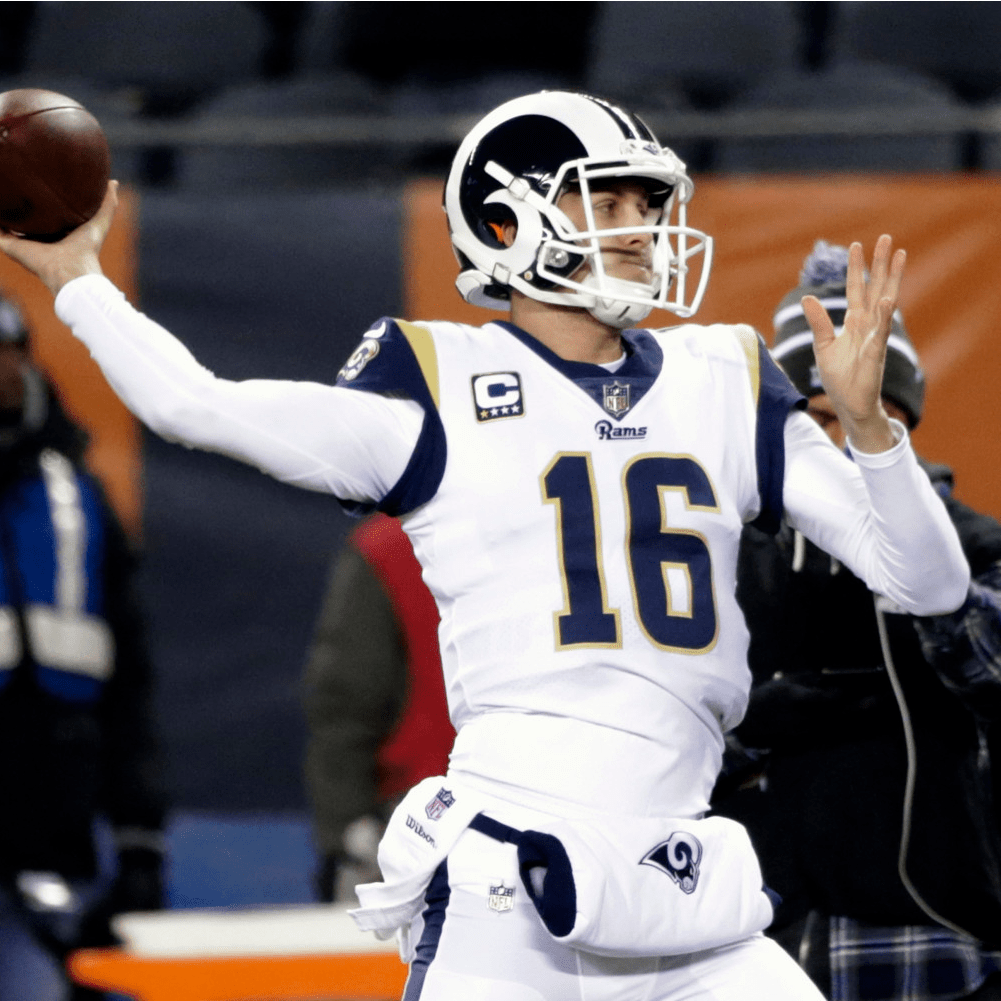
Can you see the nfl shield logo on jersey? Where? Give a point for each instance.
(437, 807)
(617, 398)
(501, 897)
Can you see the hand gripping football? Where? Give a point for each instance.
(54, 164)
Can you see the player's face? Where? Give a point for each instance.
(616, 204)
(821, 409)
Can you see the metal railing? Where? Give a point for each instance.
(418, 132)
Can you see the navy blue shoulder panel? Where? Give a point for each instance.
(397, 359)
(776, 397)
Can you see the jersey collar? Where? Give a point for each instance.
(629, 384)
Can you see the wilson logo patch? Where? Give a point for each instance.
(415, 826)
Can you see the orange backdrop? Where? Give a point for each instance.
(114, 452)
(950, 226)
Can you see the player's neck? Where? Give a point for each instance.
(572, 333)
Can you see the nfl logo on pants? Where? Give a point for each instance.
(501, 897)
(437, 807)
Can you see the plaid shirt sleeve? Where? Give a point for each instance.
(905, 963)
(965, 646)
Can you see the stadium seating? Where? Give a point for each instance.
(874, 103)
(710, 51)
(955, 42)
(258, 160)
(167, 51)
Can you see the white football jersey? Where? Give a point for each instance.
(579, 530)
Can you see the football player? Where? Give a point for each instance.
(574, 488)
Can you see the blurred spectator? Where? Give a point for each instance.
(375, 701)
(76, 741)
(862, 766)
(15, 24)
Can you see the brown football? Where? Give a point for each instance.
(54, 164)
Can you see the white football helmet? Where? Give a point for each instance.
(518, 161)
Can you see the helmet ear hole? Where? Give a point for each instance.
(498, 227)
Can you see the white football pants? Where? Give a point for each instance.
(473, 949)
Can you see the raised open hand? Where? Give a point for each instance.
(850, 362)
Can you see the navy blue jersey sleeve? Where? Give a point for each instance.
(397, 359)
(776, 397)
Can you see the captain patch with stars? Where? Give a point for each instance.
(496, 395)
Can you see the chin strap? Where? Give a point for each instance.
(614, 312)
(618, 314)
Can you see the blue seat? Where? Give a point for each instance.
(885, 93)
(708, 50)
(256, 164)
(151, 46)
(245, 859)
(955, 42)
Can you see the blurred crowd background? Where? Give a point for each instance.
(216, 95)
(268, 145)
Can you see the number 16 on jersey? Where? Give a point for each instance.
(660, 559)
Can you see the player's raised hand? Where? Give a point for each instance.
(74, 255)
(851, 363)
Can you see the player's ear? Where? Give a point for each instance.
(504, 231)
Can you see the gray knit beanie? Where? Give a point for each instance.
(823, 275)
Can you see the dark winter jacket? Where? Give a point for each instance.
(76, 739)
(826, 803)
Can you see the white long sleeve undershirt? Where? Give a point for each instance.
(878, 515)
(353, 445)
